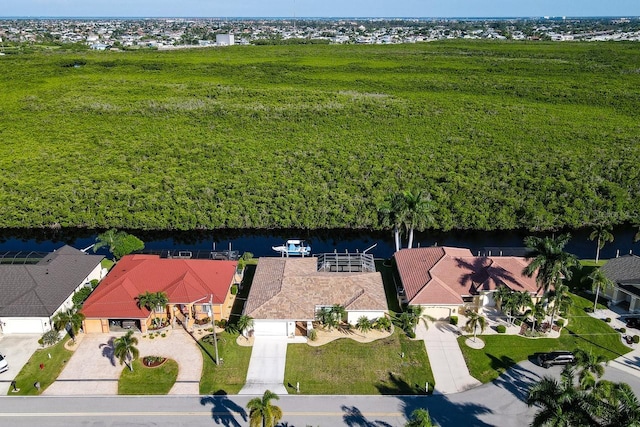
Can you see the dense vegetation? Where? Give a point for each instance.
(502, 135)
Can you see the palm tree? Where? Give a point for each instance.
(591, 367)
(70, 320)
(244, 324)
(475, 320)
(537, 312)
(363, 324)
(338, 312)
(624, 407)
(262, 412)
(153, 301)
(560, 299)
(602, 234)
(419, 418)
(119, 243)
(521, 300)
(416, 212)
(390, 215)
(409, 319)
(561, 403)
(598, 281)
(124, 348)
(504, 297)
(108, 238)
(549, 261)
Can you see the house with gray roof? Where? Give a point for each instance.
(624, 272)
(34, 290)
(286, 293)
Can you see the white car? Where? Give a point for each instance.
(4, 366)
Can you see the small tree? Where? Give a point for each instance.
(244, 324)
(124, 348)
(419, 418)
(262, 412)
(119, 243)
(363, 324)
(69, 320)
(475, 321)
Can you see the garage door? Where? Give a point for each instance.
(264, 328)
(17, 325)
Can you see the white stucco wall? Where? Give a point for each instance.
(441, 312)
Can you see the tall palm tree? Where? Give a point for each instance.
(390, 215)
(475, 321)
(598, 280)
(548, 260)
(262, 412)
(417, 212)
(153, 301)
(560, 402)
(522, 300)
(504, 297)
(625, 407)
(124, 348)
(537, 312)
(591, 367)
(601, 234)
(560, 299)
(70, 320)
(419, 418)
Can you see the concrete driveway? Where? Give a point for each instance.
(450, 371)
(266, 367)
(18, 349)
(93, 370)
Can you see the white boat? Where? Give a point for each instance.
(295, 247)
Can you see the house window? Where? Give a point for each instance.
(467, 299)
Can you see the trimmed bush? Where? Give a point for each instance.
(453, 320)
(636, 339)
(622, 330)
(608, 320)
(560, 323)
(50, 338)
(517, 322)
(313, 334)
(234, 289)
(501, 329)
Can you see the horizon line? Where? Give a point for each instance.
(549, 17)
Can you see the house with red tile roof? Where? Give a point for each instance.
(196, 289)
(286, 293)
(446, 280)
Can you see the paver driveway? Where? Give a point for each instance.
(93, 370)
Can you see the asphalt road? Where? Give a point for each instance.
(500, 403)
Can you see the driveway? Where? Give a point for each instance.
(93, 370)
(18, 349)
(449, 369)
(266, 367)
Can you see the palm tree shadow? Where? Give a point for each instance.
(445, 412)
(107, 350)
(353, 417)
(516, 379)
(224, 409)
(398, 386)
(484, 270)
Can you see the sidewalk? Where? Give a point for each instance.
(447, 363)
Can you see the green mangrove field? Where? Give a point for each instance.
(502, 135)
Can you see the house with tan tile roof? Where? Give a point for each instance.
(447, 280)
(286, 293)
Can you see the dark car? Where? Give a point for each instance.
(556, 358)
(633, 322)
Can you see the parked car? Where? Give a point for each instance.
(4, 366)
(556, 358)
(633, 322)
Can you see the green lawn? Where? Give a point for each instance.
(503, 351)
(144, 380)
(348, 367)
(107, 263)
(230, 376)
(52, 367)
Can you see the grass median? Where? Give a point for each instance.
(144, 380)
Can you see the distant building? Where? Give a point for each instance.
(225, 40)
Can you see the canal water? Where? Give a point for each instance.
(259, 242)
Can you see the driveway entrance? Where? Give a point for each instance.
(266, 367)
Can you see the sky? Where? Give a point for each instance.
(319, 8)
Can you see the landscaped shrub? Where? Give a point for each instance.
(222, 323)
(608, 320)
(560, 323)
(234, 289)
(50, 338)
(636, 339)
(80, 296)
(453, 320)
(313, 334)
(412, 334)
(517, 322)
(501, 329)
(622, 330)
(383, 324)
(588, 309)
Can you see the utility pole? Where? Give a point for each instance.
(213, 323)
